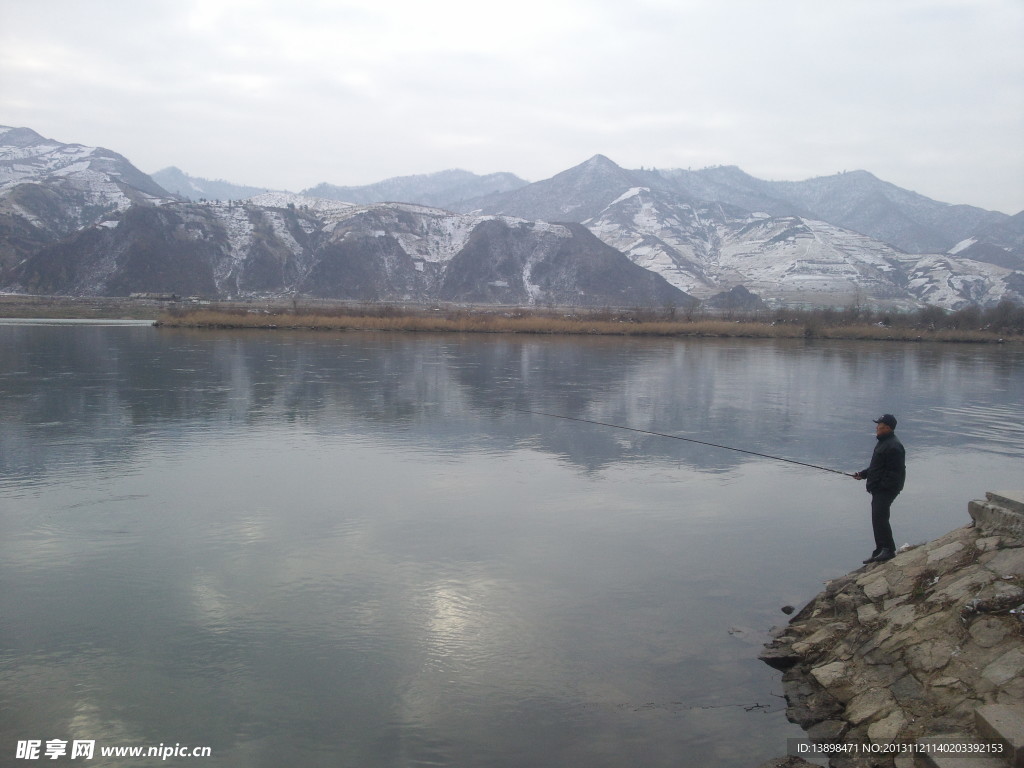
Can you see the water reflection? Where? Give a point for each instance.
(113, 387)
(355, 549)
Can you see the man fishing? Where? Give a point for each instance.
(885, 477)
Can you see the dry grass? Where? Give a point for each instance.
(15, 305)
(540, 322)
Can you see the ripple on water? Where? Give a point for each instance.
(994, 428)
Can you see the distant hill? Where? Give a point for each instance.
(195, 188)
(445, 189)
(856, 200)
(576, 194)
(860, 201)
(1000, 243)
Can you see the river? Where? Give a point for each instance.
(361, 549)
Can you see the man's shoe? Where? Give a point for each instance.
(885, 554)
(874, 556)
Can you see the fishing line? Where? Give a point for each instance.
(686, 439)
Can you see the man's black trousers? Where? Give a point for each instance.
(880, 503)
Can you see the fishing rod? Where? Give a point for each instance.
(687, 439)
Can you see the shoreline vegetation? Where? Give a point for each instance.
(1001, 324)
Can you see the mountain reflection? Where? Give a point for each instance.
(72, 396)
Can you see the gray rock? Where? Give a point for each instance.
(1006, 563)
(924, 640)
(1006, 668)
(989, 631)
(827, 731)
(943, 552)
(870, 706)
(787, 762)
(780, 657)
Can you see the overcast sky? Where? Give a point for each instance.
(927, 94)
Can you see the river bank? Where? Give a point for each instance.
(336, 315)
(914, 648)
(578, 322)
(80, 307)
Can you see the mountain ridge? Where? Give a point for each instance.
(709, 231)
(194, 188)
(921, 225)
(856, 200)
(50, 190)
(444, 189)
(382, 252)
(69, 224)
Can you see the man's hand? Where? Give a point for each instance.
(857, 476)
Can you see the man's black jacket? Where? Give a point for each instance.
(888, 470)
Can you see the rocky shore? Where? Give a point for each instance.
(923, 646)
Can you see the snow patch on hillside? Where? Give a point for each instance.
(963, 245)
(632, 192)
(282, 231)
(558, 230)
(286, 199)
(239, 231)
(939, 280)
(439, 237)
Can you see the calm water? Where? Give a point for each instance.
(356, 550)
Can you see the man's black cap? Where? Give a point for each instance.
(887, 419)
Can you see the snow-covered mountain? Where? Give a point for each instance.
(576, 194)
(383, 252)
(709, 248)
(49, 190)
(708, 232)
(28, 158)
(855, 200)
(1001, 243)
(83, 220)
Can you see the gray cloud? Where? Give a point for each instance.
(924, 93)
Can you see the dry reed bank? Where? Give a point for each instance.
(80, 307)
(924, 325)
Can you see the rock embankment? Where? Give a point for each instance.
(907, 649)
